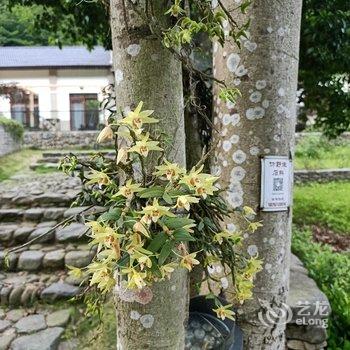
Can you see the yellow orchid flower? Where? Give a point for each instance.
(98, 177)
(154, 212)
(184, 202)
(122, 155)
(224, 312)
(254, 265)
(105, 134)
(139, 227)
(235, 237)
(203, 184)
(253, 226)
(244, 288)
(248, 211)
(128, 190)
(135, 278)
(135, 119)
(167, 270)
(102, 276)
(171, 170)
(192, 179)
(188, 261)
(143, 147)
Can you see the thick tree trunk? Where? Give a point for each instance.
(145, 71)
(261, 123)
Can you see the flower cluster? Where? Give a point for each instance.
(168, 218)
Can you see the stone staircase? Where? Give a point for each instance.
(51, 160)
(36, 272)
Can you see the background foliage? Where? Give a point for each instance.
(324, 51)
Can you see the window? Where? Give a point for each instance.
(84, 112)
(25, 108)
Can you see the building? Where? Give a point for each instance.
(52, 88)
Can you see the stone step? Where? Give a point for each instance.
(47, 199)
(16, 225)
(87, 153)
(14, 235)
(41, 190)
(25, 288)
(33, 328)
(42, 165)
(41, 257)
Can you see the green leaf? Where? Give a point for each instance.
(165, 252)
(155, 268)
(153, 192)
(167, 198)
(112, 215)
(177, 222)
(124, 261)
(157, 242)
(200, 226)
(183, 236)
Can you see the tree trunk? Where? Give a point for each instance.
(146, 71)
(261, 123)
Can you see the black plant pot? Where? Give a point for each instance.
(220, 334)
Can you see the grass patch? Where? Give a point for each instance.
(90, 332)
(15, 162)
(323, 205)
(42, 169)
(331, 271)
(317, 152)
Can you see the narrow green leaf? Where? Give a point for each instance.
(165, 252)
(157, 242)
(153, 192)
(182, 235)
(167, 198)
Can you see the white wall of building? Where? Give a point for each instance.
(53, 88)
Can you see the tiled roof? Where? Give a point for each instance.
(12, 57)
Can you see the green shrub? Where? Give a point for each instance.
(14, 128)
(317, 152)
(331, 271)
(323, 205)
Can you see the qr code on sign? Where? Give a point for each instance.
(278, 184)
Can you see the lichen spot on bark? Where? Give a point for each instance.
(252, 250)
(133, 49)
(239, 157)
(260, 84)
(250, 46)
(233, 62)
(147, 320)
(119, 76)
(134, 315)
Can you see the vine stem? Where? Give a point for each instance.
(63, 222)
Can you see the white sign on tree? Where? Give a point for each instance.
(276, 179)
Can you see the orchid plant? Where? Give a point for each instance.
(160, 220)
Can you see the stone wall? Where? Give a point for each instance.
(7, 143)
(60, 139)
(323, 175)
(69, 139)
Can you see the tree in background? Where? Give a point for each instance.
(324, 55)
(58, 22)
(325, 64)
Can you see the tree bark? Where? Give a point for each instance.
(262, 122)
(146, 71)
